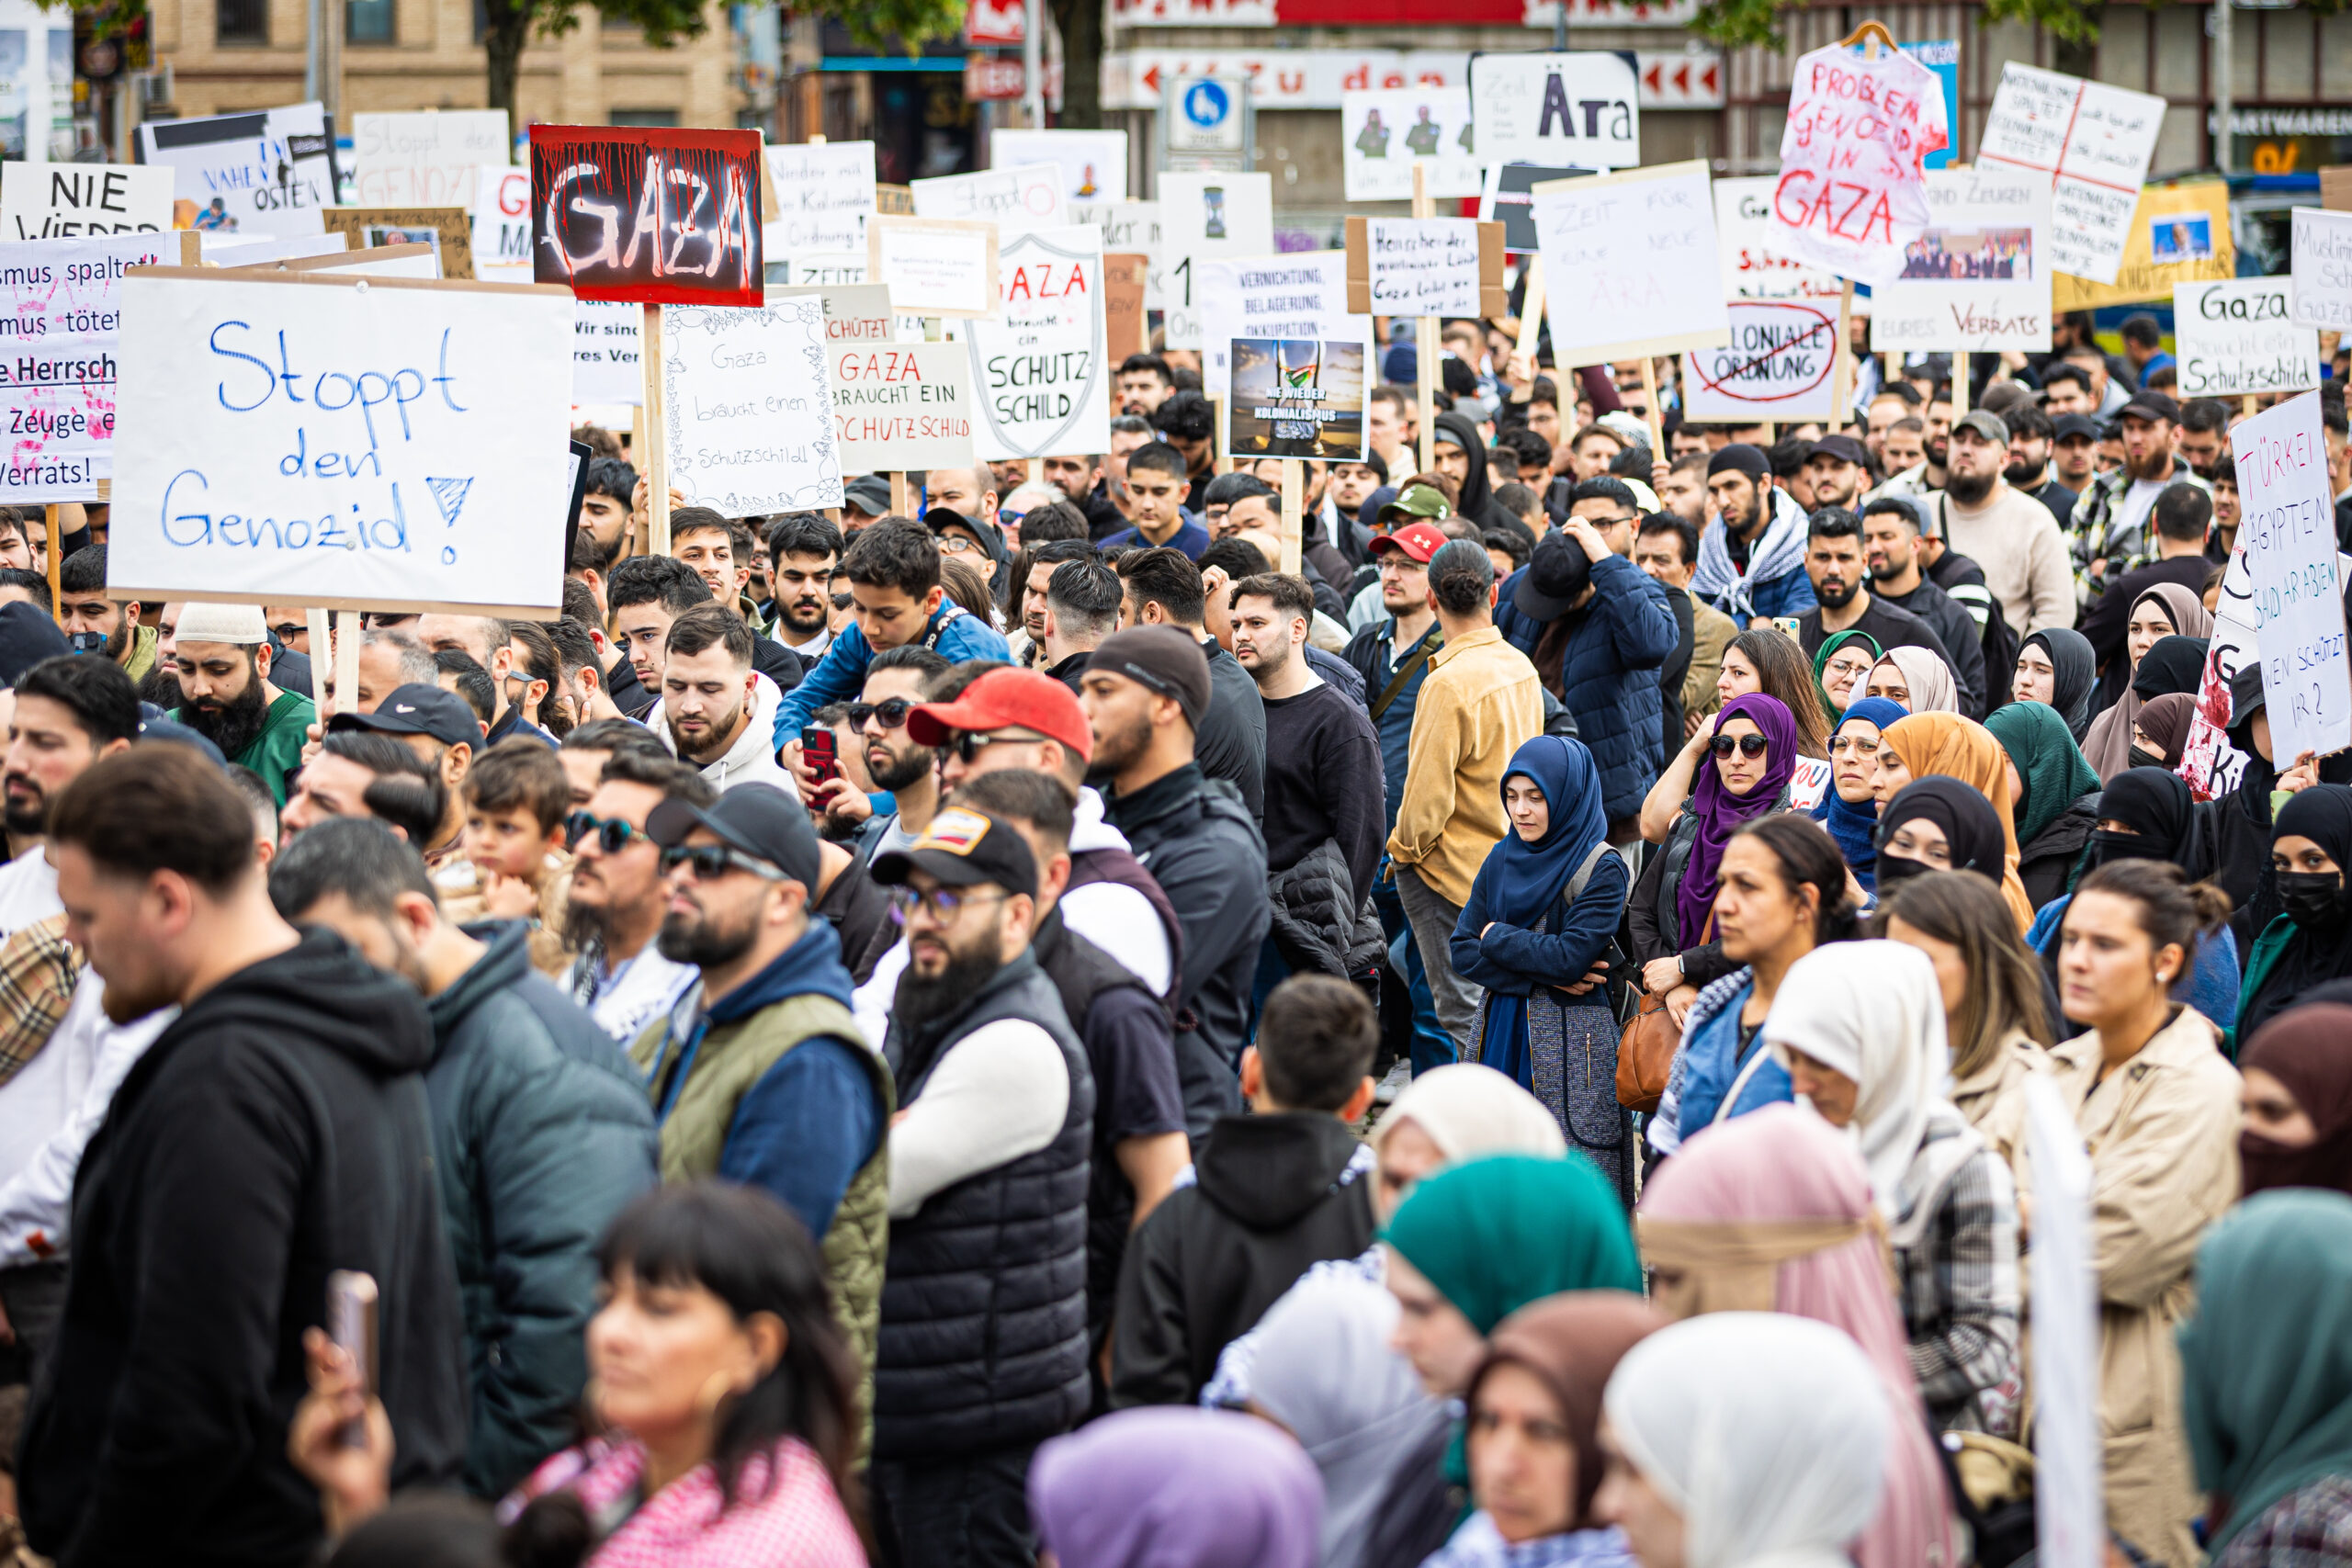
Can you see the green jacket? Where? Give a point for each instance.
(2258, 965)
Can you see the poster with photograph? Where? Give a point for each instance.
(1383, 133)
(1978, 276)
(1295, 397)
(1093, 162)
(267, 173)
(2179, 233)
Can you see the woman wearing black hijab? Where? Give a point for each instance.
(2073, 674)
(1477, 500)
(1938, 823)
(2311, 942)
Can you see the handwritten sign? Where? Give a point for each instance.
(1204, 216)
(1038, 369)
(1507, 198)
(896, 405)
(1093, 162)
(1779, 365)
(1013, 199)
(309, 439)
(1125, 277)
(2091, 141)
(824, 195)
(1629, 262)
(1850, 195)
(1426, 266)
(935, 267)
(1295, 397)
(2240, 337)
(2288, 532)
(425, 160)
(656, 217)
(449, 228)
(2179, 233)
(1752, 268)
(1129, 227)
(266, 173)
(57, 201)
(1978, 276)
(2322, 269)
(607, 353)
(748, 420)
(1580, 109)
(502, 226)
(1301, 295)
(1383, 133)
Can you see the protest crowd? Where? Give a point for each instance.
(1568, 983)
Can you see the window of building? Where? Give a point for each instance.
(644, 117)
(368, 21)
(242, 21)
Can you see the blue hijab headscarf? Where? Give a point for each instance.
(1855, 826)
(1530, 878)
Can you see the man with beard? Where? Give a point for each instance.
(760, 1075)
(2008, 533)
(1751, 559)
(1144, 383)
(1955, 601)
(903, 773)
(604, 509)
(983, 1349)
(221, 652)
(1834, 559)
(483, 639)
(1839, 469)
(69, 713)
(2204, 436)
(2032, 437)
(803, 549)
(716, 711)
(1043, 560)
(618, 898)
(2111, 522)
(97, 624)
(160, 687)
(2073, 454)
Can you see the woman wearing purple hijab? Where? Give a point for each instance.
(1174, 1487)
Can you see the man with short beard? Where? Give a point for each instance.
(2110, 523)
(221, 652)
(1835, 556)
(716, 711)
(618, 898)
(2008, 533)
(803, 550)
(1840, 471)
(97, 623)
(69, 713)
(2032, 436)
(903, 773)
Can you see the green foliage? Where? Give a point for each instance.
(1735, 22)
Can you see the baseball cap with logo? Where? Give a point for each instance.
(963, 848)
(1006, 699)
(417, 709)
(1416, 541)
(1425, 501)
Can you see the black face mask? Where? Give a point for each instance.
(1893, 868)
(2140, 759)
(2109, 847)
(2312, 898)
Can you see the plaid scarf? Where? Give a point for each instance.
(38, 971)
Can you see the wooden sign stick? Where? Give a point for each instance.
(898, 494)
(1294, 526)
(1425, 347)
(1531, 307)
(656, 466)
(1658, 416)
(1960, 384)
(347, 658)
(1841, 385)
(322, 639)
(55, 552)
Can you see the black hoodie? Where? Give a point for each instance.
(275, 1132)
(1272, 1197)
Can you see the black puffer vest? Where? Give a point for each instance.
(983, 1340)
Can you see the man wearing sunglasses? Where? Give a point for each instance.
(901, 770)
(618, 897)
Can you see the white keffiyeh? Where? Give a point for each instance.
(1778, 553)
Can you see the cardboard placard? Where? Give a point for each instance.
(2288, 533)
(1426, 266)
(430, 159)
(1204, 215)
(1383, 133)
(1507, 197)
(651, 216)
(313, 439)
(267, 174)
(607, 353)
(1780, 366)
(747, 419)
(451, 227)
(824, 195)
(1581, 109)
(1126, 274)
(1299, 294)
(896, 406)
(2240, 337)
(2323, 268)
(1752, 268)
(1128, 228)
(1978, 277)
(1630, 266)
(2179, 233)
(2092, 141)
(935, 267)
(414, 259)
(1093, 162)
(1850, 195)
(502, 226)
(1295, 397)
(1038, 377)
(1027, 198)
(59, 201)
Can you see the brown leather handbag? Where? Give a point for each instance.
(1645, 1050)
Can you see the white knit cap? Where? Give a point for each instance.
(237, 624)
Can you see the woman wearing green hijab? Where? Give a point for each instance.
(2266, 1381)
(2053, 791)
(1839, 669)
(1472, 1244)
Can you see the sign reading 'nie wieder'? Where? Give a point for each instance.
(651, 217)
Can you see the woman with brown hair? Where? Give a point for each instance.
(1764, 658)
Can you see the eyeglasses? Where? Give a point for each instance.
(945, 906)
(1841, 744)
(286, 631)
(959, 545)
(1749, 745)
(968, 745)
(891, 711)
(613, 835)
(713, 860)
(1615, 521)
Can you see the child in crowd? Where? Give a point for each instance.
(516, 800)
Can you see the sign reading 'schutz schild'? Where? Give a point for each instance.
(646, 216)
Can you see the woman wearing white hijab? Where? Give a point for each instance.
(1739, 1438)
(1860, 1026)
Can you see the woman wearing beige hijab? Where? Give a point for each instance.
(2166, 610)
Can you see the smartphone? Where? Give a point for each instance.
(817, 753)
(1788, 624)
(351, 1323)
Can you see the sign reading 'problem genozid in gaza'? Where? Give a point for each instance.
(650, 216)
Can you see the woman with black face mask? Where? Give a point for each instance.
(2311, 942)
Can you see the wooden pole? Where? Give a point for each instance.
(1425, 345)
(898, 494)
(1220, 455)
(1841, 386)
(1960, 384)
(55, 553)
(656, 466)
(1657, 419)
(1036, 470)
(1531, 307)
(347, 658)
(1293, 521)
(322, 639)
(2245, 406)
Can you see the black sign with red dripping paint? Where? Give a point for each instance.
(655, 217)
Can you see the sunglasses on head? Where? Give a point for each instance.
(891, 711)
(612, 834)
(1749, 745)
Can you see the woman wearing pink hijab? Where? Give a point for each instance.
(1771, 1212)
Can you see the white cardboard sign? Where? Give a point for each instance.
(1780, 366)
(1383, 133)
(57, 201)
(1204, 216)
(1298, 295)
(1580, 110)
(2070, 1517)
(269, 173)
(62, 380)
(2323, 268)
(934, 267)
(310, 439)
(431, 159)
(2092, 142)
(1013, 199)
(1093, 162)
(502, 237)
(1978, 277)
(2288, 532)
(747, 417)
(1037, 371)
(1630, 265)
(897, 405)
(1753, 269)
(824, 195)
(1128, 228)
(1423, 266)
(2239, 337)
(607, 353)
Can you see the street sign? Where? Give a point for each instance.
(1205, 122)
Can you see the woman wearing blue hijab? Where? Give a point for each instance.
(1541, 916)
(1853, 819)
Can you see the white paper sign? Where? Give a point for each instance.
(896, 405)
(2070, 1517)
(1013, 199)
(1093, 162)
(2289, 533)
(267, 174)
(1630, 265)
(1780, 366)
(2239, 337)
(59, 380)
(1383, 133)
(239, 249)
(1849, 197)
(824, 195)
(1038, 370)
(1129, 227)
(1423, 266)
(1204, 216)
(2322, 269)
(934, 269)
(425, 160)
(56, 201)
(1978, 277)
(292, 439)
(749, 421)
(502, 238)
(2092, 141)
(1752, 268)
(1581, 109)
(1298, 295)
(607, 353)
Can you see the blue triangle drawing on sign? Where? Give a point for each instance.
(449, 496)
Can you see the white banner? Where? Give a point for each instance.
(267, 174)
(2240, 337)
(1384, 133)
(1013, 199)
(1038, 370)
(2288, 532)
(2092, 142)
(1202, 217)
(1978, 279)
(824, 195)
(63, 302)
(308, 439)
(749, 421)
(1579, 109)
(431, 159)
(1422, 266)
(608, 352)
(2323, 268)
(1093, 162)
(1630, 265)
(1780, 366)
(57, 201)
(1301, 295)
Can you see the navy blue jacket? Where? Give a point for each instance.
(1609, 673)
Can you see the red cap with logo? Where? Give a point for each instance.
(1418, 540)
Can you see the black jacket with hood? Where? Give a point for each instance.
(1272, 1197)
(275, 1133)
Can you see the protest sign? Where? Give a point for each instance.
(1129, 227)
(2323, 268)
(450, 228)
(1426, 266)
(1385, 132)
(2069, 1453)
(1780, 366)
(2209, 762)
(1093, 162)
(431, 159)
(1013, 199)
(1295, 397)
(1978, 277)
(239, 249)
(1579, 109)
(607, 357)
(1850, 195)
(651, 216)
(824, 195)
(57, 201)
(1124, 279)
(901, 406)
(353, 443)
(1299, 295)
(2091, 141)
(1037, 371)
(413, 259)
(1506, 197)
(63, 300)
(935, 267)
(502, 226)
(1630, 264)
(2179, 233)
(266, 173)
(1752, 268)
(816, 270)
(1204, 216)
(2288, 532)
(2240, 337)
(747, 420)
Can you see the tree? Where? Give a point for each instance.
(2073, 25)
(1080, 22)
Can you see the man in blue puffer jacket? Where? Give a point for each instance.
(1599, 630)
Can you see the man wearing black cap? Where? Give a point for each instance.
(864, 498)
(441, 730)
(2111, 522)
(1751, 558)
(2008, 533)
(2073, 454)
(1838, 468)
(983, 1345)
(2032, 436)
